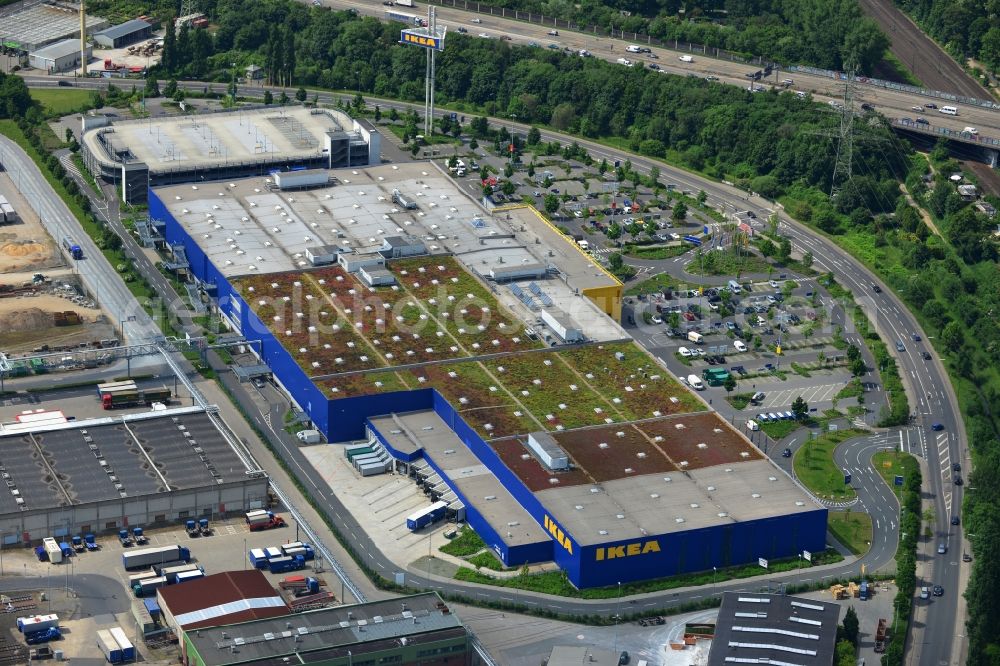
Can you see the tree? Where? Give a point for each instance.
(614, 231)
(615, 261)
(784, 250)
(283, 98)
(534, 136)
(702, 197)
(845, 654)
(169, 58)
(799, 408)
(767, 248)
(393, 114)
(851, 626)
(679, 214)
(170, 89)
(551, 204)
(473, 144)
(300, 94)
(508, 188)
(152, 88)
(953, 336)
(654, 175)
(650, 227)
(730, 383)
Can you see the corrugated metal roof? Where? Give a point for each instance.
(126, 28)
(59, 49)
(223, 594)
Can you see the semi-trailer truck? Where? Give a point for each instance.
(72, 247)
(426, 516)
(258, 558)
(145, 557)
(285, 563)
(263, 520)
(128, 650)
(118, 399)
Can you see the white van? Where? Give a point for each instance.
(971, 130)
(685, 352)
(696, 337)
(735, 287)
(632, 48)
(695, 382)
(625, 61)
(740, 346)
(584, 244)
(752, 425)
(949, 110)
(685, 58)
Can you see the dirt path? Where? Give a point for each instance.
(923, 213)
(921, 54)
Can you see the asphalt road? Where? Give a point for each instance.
(893, 104)
(95, 272)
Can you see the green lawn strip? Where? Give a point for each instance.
(778, 430)
(61, 101)
(725, 263)
(889, 464)
(466, 543)
(78, 161)
(852, 529)
(653, 285)
(644, 252)
(739, 400)
(487, 560)
(901, 72)
(555, 582)
(851, 390)
(815, 468)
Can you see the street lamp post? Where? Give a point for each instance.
(618, 608)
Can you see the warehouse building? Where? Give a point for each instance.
(103, 474)
(774, 629)
(411, 631)
(224, 598)
(124, 34)
(28, 27)
(58, 57)
(590, 454)
(262, 141)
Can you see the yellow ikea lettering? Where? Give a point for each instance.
(561, 538)
(629, 550)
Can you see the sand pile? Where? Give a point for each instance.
(29, 319)
(22, 249)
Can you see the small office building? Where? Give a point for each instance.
(127, 33)
(62, 56)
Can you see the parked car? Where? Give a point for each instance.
(938, 591)
(925, 592)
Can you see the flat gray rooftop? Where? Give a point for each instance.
(90, 461)
(212, 139)
(675, 501)
(328, 633)
(776, 629)
(426, 430)
(246, 227)
(40, 24)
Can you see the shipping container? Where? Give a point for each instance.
(373, 469)
(149, 586)
(426, 516)
(143, 618)
(171, 573)
(273, 552)
(284, 563)
(139, 577)
(306, 552)
(128, 650)
(290, 180)
(52, 550)
(356, 449)
(109, 646)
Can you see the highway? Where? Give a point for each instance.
(893, 104)
(96, 273)
(931, 394)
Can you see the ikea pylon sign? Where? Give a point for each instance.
(418, 39)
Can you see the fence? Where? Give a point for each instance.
(926, 128)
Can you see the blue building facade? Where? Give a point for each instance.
(655, 556)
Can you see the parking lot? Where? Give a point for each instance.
(87, 574)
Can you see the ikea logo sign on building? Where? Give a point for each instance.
(417, 39)
(630, 550)
(561, 537)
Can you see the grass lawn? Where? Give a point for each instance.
(653, 252)
(892, 463)
(725, 263)
(852, 529)
(779, 429)
(739, 400)
(466, 543)
(61, 101)
(653, 285)
(815, 468)
(555, 582)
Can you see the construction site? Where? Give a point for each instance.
(42, 304)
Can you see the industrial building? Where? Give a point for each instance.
(102, 474)
(58, 57)
(29, 27)
(588, 454)
(136, 154)
(774, 629)
(412, 631)
(224, 598)
(123, 34)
